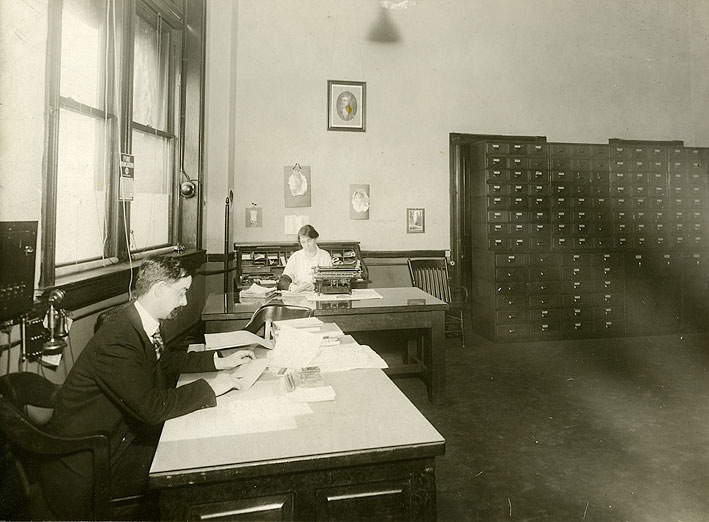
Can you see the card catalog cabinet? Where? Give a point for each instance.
(587, 240)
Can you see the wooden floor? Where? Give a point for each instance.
(594, 430)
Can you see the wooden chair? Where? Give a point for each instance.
(431, 275)
(27, 445)
(263, 318)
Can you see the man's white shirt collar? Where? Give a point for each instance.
(150, 324)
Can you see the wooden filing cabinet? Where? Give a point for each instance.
(585, 240)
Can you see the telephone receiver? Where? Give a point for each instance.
(56, 321)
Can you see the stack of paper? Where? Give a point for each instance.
(329, 333)
(295, 348)
(257, 291)
(218, 341)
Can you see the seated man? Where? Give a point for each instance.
(118, 386)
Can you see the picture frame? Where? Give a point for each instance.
(346, 105)
(297, 187)
(415, 220)
(253, 217)
(359, 201)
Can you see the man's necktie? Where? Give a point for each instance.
(158, 343)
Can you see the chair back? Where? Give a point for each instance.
(264, 317)
(29, 445)
(430, 274)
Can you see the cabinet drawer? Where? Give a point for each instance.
(519, 176)
(544, 314)
(578, 313)
(497, 189)
(510, 288)
(498, 216)
(544, 260)
(580, 287)
(543, 287)
(510, 302)
(544, 301)
(577, 328)
(510, 316)
(543, 274)
(543, 327)
(539, 176)
(498, 202)
(510, 331)
(608, 313)
(511, 274)
(580, 273)
(497, 229)
(519, 216)
(580, 300)
(539, 203)
(497, 175)
(507, 260)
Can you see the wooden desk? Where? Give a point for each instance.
(405, 308)
(367, 455)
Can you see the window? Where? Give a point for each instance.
(114, 88)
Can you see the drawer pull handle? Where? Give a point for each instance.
(365, 495)
(232, 512)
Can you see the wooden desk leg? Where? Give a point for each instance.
(436, 359)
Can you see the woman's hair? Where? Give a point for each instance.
(156, 269)
(308, 231)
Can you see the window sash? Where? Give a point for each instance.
(84, 108)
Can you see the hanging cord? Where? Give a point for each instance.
(117, 138)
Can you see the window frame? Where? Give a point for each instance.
(117, 250)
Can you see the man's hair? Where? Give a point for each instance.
(157, 269)
(308, 231)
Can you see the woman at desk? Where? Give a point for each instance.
(298, 273)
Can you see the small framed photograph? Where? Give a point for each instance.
(415, 220)
(346, 105)
(359, 201)
(296, 186)
(253, 217)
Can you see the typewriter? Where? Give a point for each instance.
(335, 279)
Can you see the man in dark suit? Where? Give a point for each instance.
(119, 386)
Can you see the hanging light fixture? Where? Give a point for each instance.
(397, 4)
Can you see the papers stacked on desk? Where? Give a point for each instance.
(218, 341)
(257, 291)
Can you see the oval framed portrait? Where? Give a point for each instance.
(346, 104)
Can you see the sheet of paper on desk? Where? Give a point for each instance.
(235, 417)
(215, 341)
(317, 394)
(348, 356)
(294, 348)
(243, 376)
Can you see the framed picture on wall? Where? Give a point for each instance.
(359, 201)
(415, 220)
(253, 217)
(296, 186)
(346, 105)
